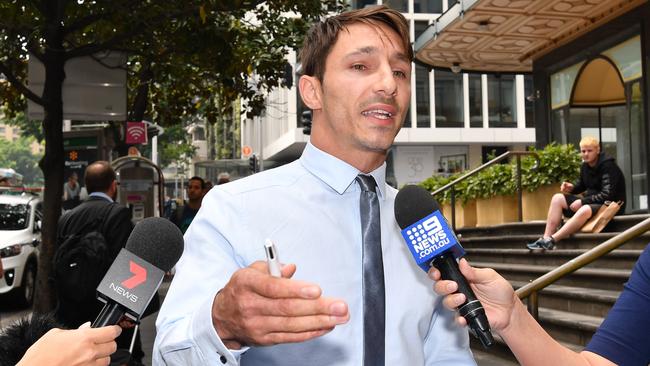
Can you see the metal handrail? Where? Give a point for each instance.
(532, 289)
(506, 154)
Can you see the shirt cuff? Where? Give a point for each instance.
(207, 339)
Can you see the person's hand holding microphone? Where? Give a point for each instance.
(260, 306)
(73, 347)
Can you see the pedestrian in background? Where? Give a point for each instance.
(185, 214)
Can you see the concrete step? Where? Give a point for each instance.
(568, 326)
(575, 241)
(619, 258)
(596, 278)
(580, 300)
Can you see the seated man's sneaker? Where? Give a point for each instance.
(542, 243)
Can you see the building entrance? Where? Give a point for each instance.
(604, 106)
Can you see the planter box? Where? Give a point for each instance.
(535, 204)
(465, 214)
(496, 210)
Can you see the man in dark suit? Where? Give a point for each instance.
(102, 186)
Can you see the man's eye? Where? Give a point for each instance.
(399, 74)
(359, 67)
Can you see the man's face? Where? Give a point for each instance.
(364, 95)
(194, 191)
(589, 154)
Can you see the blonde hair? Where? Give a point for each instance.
(589, 141)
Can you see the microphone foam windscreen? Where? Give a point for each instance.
(157, 241)
(412, 204)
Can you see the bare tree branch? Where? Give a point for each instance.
(19, 85)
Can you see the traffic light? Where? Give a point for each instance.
(306, 122)
(252, 164)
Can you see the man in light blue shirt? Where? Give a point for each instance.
(224, 308)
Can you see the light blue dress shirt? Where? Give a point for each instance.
(310, 209)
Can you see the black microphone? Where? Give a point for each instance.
(433, 243)
(153, 248)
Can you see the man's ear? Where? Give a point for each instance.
(310, 91)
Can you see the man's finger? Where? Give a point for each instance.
(300, 307)
(280, 338)
(301, 324)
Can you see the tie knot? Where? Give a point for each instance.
(367, 183)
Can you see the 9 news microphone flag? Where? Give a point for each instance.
(433, 243)
(153, 248)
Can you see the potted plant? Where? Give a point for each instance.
(465, 208)
(494, 188)
(557, 163)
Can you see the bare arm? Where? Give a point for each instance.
(73, 347)
(509, 318)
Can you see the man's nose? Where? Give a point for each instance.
(386, 84)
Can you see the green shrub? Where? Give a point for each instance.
(558, 163)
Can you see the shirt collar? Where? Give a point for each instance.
(101, 194)
(336, 173)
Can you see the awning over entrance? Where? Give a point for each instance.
(507, 35)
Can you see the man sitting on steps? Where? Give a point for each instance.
(600, 180)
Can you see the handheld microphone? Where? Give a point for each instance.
(433, 243)
(153, 248)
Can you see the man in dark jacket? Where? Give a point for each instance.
(600, 180)
(116, 227)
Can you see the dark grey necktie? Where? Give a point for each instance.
(373, 274)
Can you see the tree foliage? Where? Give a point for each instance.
(182, 54)
(17, 155)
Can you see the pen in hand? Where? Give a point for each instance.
(272, 258)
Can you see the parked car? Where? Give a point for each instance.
(20, 235)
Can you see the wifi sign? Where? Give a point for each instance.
(136, 133)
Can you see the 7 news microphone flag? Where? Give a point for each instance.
(153, 248)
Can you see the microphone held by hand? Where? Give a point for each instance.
(153, 248)
(433, 243)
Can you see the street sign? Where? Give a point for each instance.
(136, 133)
(246, 151)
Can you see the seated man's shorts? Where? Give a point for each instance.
(570, 198)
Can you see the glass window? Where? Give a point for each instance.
(422, 87)
(475, 101)
(449, 99)
(360, 4)
(529, 102)
(502, 104)
(399, 5)
(427, 6)
(562, 84)
(627, 57)
(14, 216)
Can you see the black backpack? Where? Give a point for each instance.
(81, 261)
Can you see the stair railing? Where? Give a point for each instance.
(532, 289)
(517, 154)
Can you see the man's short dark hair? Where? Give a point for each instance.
(99, 176)
(323, 35)
(196, 177)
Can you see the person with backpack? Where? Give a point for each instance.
(89, 237)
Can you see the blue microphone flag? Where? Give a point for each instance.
(430, 237)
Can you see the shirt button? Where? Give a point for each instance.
(223, 359)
